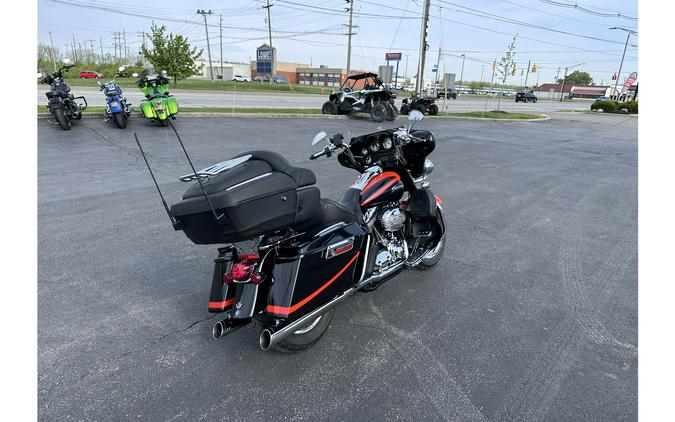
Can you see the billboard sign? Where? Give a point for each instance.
(392, 56)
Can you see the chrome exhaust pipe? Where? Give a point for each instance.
(271, 336)
(227, 326)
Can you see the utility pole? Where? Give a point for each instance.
(349, 37)
(93, 55)
(482, 69)
(438, 62)
(269, 30)
(618, 75)
(208, 43)
(126, 52)
(527, 73)
(562, 87)
(405, 75)
(100, 44)
(74, 51)
(419, 82)
(222, 75)
(557, 75)
(51, 43)
(461, 74)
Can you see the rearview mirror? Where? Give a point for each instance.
(121, 69)
(319, 137)
(135, 75)
(66, 61)
(164, 72)
(415, 115)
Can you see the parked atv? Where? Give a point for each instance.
(62, 103)
(363, 93)
(158, 105)
(426, 105)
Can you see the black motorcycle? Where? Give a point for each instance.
(288, 255)
(62, 104)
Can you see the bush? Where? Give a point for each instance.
(606, 106)
(631, 106)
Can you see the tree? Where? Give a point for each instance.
(172, 53)
(505, 65)
(577, 78)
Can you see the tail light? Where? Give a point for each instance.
(244, 271)
(158, 104)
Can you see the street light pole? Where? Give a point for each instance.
(618, 75)
(461, 74)
(208, 43)
(562, 87)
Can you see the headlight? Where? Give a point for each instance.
(386, 144)
(375, 146)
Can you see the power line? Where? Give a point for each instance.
(581, 8)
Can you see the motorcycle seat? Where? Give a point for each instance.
(51, 94)
(335, 212)
(301, 176)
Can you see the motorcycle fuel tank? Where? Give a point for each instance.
(383, 187)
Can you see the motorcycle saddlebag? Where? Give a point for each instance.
(172, 104)
(254, 198)
(147, 110)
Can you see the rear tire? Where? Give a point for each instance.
(61, 117)
(329, 107)
(378, 112)
(164, 122)
(433, 110)
(391, 112)
(404, 109)
(305, 337)
(120, 120)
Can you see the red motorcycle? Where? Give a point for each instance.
(288, 255)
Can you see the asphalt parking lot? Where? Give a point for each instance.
(531, 315)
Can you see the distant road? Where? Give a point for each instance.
(264, 99)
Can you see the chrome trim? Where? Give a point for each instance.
(215, 169)
(365, 259)
(331, 228)
(247, 181)
(335, 246)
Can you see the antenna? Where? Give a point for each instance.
(177, 225)
(219, 218)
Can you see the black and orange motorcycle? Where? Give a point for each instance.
(288, 256)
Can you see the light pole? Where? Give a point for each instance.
(562, 87)
(618, 75)
(204, 13)
(461, 74)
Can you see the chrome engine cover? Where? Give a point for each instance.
(393, 219)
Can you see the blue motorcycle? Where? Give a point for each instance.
(118, 108)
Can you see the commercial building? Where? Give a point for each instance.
(229, 69)
(320, 76)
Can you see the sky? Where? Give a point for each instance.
(551, 33)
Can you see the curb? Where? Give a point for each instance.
(97, 115)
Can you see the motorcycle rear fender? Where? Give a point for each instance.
(116, 99)
(54, 103)
(148, 109)
(310, 273)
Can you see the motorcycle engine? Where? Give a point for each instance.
(392, 219)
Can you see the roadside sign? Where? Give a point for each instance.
(630, 80)
(393, 56)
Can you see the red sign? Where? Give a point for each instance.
(630, 80)
(393, 56)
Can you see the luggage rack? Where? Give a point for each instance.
(195, 175)
(214, 169)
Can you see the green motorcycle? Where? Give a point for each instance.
(158, 104)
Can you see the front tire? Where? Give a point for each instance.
(404, 109)
(378, 112)
(61, 117)
(391, 112)
(431, 257)
(329, 107)
(433, 110)
(120, 120)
